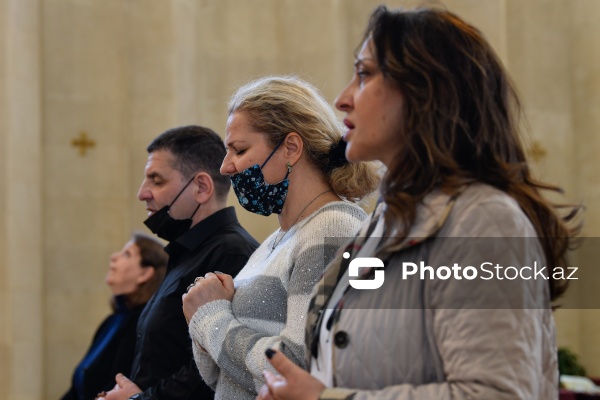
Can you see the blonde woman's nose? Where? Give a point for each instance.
(227, 168)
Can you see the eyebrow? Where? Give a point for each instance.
(154, 174)
(361, 61)
(233, 142)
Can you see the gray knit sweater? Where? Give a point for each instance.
(269, 307)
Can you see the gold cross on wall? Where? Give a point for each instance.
(537, 151)
(83, 143)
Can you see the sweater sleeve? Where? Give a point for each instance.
(238, 350)
(209, 370)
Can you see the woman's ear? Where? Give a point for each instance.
(293, 146)
(205, 187)
(147, 274)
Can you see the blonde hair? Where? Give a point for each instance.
(278, 105)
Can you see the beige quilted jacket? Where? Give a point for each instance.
(453, 339)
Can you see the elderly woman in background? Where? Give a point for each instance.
(134, 274)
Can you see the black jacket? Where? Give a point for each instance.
(111, 351)
(164, 366)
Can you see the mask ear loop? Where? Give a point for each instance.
(195, 211)
(273, 152)
(186, 185)
(289, 166)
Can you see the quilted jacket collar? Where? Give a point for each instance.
(431, 216)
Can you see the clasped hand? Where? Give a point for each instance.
(292, 383)
(123, 389)
(210, 287)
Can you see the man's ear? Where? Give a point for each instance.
(147, 274)
(293, 146)
(204, 187)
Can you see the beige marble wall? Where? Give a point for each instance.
(86, 87)
(124, 71)
(555, 62)
(585, 95)
(538, 41)
(21, 290)
(585, 74)
(5, 337)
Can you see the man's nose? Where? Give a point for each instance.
(143, 193)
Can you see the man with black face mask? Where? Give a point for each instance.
(186, 198)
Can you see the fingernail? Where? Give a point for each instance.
(218, 273)
(269, 353)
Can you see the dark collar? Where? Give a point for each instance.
(120, 303)
(203, 230)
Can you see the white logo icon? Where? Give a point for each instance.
(365, 262)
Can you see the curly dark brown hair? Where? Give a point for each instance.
(461, 123)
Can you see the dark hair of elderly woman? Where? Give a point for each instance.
(152, 254)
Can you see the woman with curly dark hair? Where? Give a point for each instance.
(460, 214)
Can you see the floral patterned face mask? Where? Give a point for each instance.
(258, 196)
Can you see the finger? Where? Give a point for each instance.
(121, 379)
(264, 394)
(270, 378)
(226, 281)
(275, 384)
(184, 308)
(281, 363)
(214, 278)
(210, 276)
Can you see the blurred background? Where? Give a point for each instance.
(87, 84)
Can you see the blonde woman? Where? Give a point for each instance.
(285, 155)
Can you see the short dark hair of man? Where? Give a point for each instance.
(195, 148)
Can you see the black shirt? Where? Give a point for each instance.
(164, 366)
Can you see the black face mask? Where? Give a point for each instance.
(165, 226)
